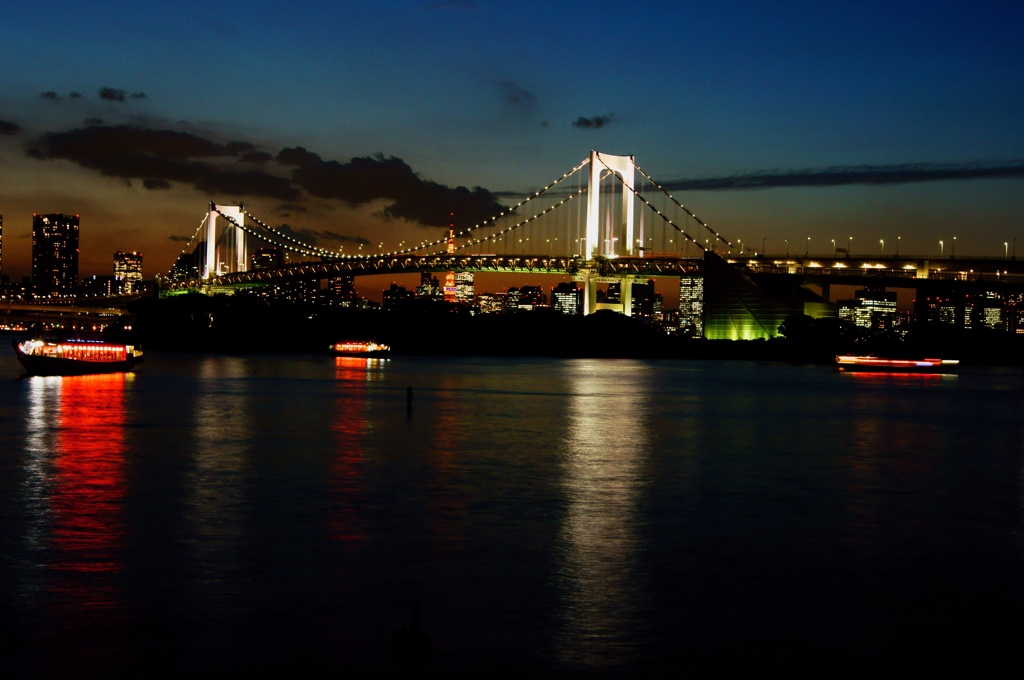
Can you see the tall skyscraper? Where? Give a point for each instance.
(464, 290)
(128, 272)
(871, 308)
(567, 298)
(450, 291)
(429, 288)
(691, 305)
(54, 255)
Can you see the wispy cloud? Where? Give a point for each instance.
(594, 121)
(850, 174)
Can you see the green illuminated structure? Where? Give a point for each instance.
(736, 308)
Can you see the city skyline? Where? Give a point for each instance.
(778, 124)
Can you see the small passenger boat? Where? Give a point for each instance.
(76, 357)
(370, 350)
(882, 365)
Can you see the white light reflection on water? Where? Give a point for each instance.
(607, 439)
(216, 482)
(40, 424)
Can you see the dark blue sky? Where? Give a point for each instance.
(462, 92)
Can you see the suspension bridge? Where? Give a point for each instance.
(605, 220)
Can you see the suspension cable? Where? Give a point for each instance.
(325, 253)
(526, 221)
(185, 249)
(660, 214)
(253, 232)
(685, 209)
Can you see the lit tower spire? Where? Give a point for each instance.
(449, 281)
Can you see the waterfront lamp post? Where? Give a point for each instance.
(808, 250)
(898, 245)
(953, 254)
(833, 247)
(882, 241)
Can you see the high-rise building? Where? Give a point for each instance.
(491, 303)
(691, 305)
(128, 272)
(397, 297)
(567, 298)
(429, 288)
(530, 297)
(450, 291)
(341, 291)
(464, 287)
(267, 257)
(54, 255)
(872, 308)
(642, 300)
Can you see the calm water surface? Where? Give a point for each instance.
(569, 517)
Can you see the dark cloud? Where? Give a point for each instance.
(113, 94)
(298, 157)
(50, 96)
(9, 129)
(235, 148)
(460, 5)
(153, 183)
(255, 157)
(94, 121)
(289, 208)
(160, 155)
(846, 175)
(139, 95)
(594, 122)
(179, 239)
(517, 97)
(371, 178)
(74, 95)
(313, 237)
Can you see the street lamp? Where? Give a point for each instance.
(849, 246)
(1006, 249)
(833, 247)
(808, 251)
(953, 254)
(941, 249)
(882, 241)
(787, 247)
(898, 245)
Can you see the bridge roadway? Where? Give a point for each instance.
(856, 270)
(601, 267)
(895, 271)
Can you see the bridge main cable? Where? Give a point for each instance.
(684, 208)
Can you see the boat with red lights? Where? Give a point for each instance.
(883, 365)
(361, 349)
(76, 357)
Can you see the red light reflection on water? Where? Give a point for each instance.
(893, 375)
(88, 487)
(349, 428)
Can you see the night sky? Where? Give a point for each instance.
(135, 115)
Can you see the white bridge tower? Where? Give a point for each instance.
(617, 239)
(235, 254)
